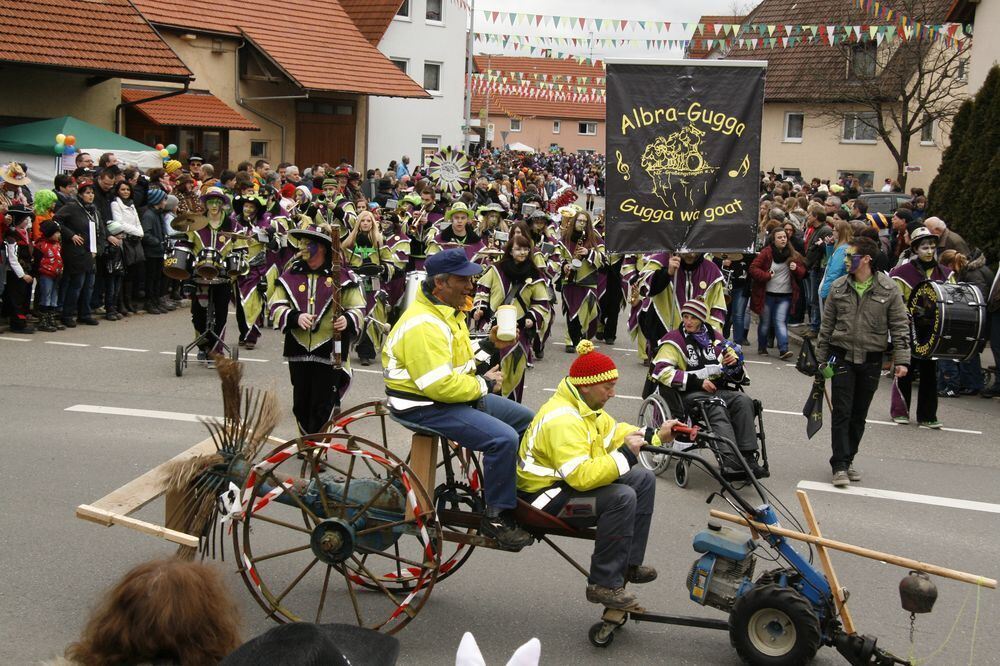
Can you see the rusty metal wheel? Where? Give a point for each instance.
(323, 512)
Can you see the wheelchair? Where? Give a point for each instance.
(661, 403)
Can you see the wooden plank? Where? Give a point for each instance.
(423, 462)
(103, 517)
(904, 562)
(839, 598)
(142, 490)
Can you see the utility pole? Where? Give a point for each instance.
(468, 81)
(489, 68)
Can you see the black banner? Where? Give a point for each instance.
(683, 155)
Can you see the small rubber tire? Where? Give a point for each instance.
(682, 475)
(594, 635)
(179, 361)
(774, 626)
(652, 413)
(234, 352)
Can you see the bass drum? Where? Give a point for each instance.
(947, 320)
(177, 265)
(413, 282)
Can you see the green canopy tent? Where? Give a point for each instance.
(34, 144)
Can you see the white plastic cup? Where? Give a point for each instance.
(577, 264)
(506, 323)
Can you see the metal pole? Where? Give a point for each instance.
(468, 78)
(488, 68)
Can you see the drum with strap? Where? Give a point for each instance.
(177, 265)
(947, 320)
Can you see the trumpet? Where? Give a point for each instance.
(634, 295)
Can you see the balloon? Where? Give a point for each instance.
(70, 150)
(70, 140)
(164, 153)
(172, 149)
(60, 138)
(159, 146)
(60, 147)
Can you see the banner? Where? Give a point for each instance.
(683, 154)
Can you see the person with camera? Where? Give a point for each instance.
(863, 311)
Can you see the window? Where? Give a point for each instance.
(401, 63)
(588, 128)
(556, 126)
(859, 127)
(867, 179)
(430, 140)
(793, 127)
(258, 149)
(862, 61)
(963, 69)
(789, 172)
(331, 108)
(434, 11)
(927, 132)
(432, 77)
(404, 10)
(515, 124)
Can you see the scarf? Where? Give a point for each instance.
(926, 265)
(781, 255)
(703, 337)
(517, 272)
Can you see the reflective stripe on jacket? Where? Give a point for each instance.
(429, 355)
(568, 441)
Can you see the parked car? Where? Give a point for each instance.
(883, 202)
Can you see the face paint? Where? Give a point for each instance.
(925, 250)
(853, 262)
(312, 247)
(249, 210)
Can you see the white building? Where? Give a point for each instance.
(426, 39)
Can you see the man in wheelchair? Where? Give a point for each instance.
(706, 372)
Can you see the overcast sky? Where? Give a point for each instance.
(674, 11)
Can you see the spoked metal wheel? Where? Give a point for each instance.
(329, 523)
(653, 412)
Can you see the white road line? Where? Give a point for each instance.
(781, 411)
(623, 397)
(947, 502)
(66, 344)
(746, 360)
(625, 349)
(959, 430)
(10, 339)
(252, 360)
(173, 353)
(130, 349)
(371, 372)
(145, 413)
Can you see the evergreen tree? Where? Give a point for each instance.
(950, 175)
(985, 231)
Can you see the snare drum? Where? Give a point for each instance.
(947, 320)
(208, 267)
(237, 264)
(413, 281)
(177, 266)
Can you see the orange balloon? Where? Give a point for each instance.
(70, 140)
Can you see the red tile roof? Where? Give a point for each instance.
(816, 72)
(315, 43)
(106, 37)
(518, 105)
(372, 17)
(192, 109)
(699, 47)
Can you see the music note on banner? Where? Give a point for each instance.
(623, 168)
(743, 169)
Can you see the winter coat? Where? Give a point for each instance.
(73, 220)
(48, 258)
(760, 275)
(152, 233)
(861, 325)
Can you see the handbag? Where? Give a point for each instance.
(132, 250)
(806, 362)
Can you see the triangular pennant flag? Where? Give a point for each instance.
(622, 24)
(770, 30)
(583, 22)
(513, 18)
(598, 23)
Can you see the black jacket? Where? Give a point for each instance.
(74, 220)
(152, 233)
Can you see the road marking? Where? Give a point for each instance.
(145, 413)
(948, 502)
(66, 344)
(623, 397)
(959, 430)
(781, 411)
(746, 360)
(252, 360)
(626, 349)
(10, 339)
(129, 349)
(371, 372)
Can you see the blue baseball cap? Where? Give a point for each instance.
(451, 262)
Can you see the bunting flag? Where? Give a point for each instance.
(560, 93)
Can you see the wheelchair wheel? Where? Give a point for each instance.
(682, 474)
(653, 412)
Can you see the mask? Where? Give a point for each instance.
(853, 262)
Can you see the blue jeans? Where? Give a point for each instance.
(77, 289)
(813, 280)
(494, 427)
(48, 292)
(958, 375)
(775, 314)
(738, 308)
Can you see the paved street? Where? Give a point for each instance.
(68, 441)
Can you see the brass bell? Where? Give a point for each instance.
(917, 593)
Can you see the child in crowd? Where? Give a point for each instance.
(49, 268)
(17, 256)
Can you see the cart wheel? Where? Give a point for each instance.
(774, 625)
(325, 515)
(234, 352)
(602, 634)
(179, 361)
(681, 475)
(653, 412)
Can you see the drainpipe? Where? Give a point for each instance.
(240, 100)
(118, 109)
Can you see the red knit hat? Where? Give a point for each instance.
(591, 367)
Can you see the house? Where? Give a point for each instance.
(425, 39)
(701, 45)
(808, 129)
(532, 111)
(302, 73)
(985, 50)
(61, 59)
